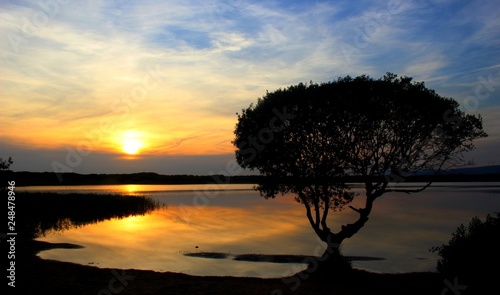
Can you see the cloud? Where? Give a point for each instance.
(66, 71)
(425, 66)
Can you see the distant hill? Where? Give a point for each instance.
(25, 178)
(482, 170)
(465, 174)
(476, 170)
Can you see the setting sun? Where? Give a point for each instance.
(131, 143)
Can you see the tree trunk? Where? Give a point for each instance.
(331, 263)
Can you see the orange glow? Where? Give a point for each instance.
(158, 240)
(131, 188)
(145, 131)
(181, 228)
(133, 223)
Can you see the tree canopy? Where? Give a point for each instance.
(307, 137)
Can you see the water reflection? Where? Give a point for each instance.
(158, 240)
(138, 188)
(237, 221)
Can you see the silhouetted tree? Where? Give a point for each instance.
(5, 164)
(5, 172)
(307, 138)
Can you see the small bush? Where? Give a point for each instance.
(473, 254)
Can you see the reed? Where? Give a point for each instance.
(38, 213)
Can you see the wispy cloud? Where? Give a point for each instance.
(64, 74)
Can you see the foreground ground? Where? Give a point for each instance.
(38, 276)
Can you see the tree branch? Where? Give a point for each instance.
(308, 209)
(309, 215)
(316, 205)
(326, 200)
(357, 210)
(349, 230)
(408, 191)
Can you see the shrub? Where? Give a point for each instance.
(472, 255)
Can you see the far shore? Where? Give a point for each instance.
(24, 178)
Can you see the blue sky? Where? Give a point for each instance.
(170, 75)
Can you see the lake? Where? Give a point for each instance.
(234, 219)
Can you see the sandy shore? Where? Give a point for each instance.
(38, 276)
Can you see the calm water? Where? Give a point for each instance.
(234, 219)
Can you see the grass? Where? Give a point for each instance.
(38, 213)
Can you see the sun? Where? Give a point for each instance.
(131, 146)
(131, 143)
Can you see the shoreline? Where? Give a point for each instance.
(40, 276)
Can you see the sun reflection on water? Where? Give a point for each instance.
(131, 188)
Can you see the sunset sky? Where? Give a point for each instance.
(131, 86)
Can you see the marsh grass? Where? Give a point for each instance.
(38, 213)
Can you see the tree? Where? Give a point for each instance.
(307, 138)
(5, 164)
(4, 172)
